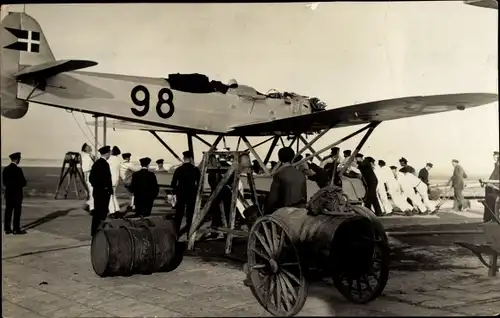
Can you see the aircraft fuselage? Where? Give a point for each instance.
(151, 100)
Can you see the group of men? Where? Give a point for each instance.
(103, 176)
(409, 192)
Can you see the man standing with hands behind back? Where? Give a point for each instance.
(14, 182)
(185, 186)
(145, 188)
(100, 178)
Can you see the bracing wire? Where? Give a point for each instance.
(81, 129)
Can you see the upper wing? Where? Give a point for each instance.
(365, 113)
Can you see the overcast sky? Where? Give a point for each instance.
(343, 53)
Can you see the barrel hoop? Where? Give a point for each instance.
(132, 248)
(153, 242)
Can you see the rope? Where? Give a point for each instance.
(88, 127)
(81, 129)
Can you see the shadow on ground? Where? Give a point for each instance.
(47, 218)
(403, 258)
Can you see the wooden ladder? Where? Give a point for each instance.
(237, 168)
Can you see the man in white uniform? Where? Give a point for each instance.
(408, 183)
(421, 188)
(385, 204)
(114, 165)
(126, 171)
(87, 162)
(395, 191)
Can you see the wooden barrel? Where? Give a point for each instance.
(126, 251)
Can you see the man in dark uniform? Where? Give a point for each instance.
(491, 194)
(289, 186)
(185, 186)
(423, 174)
(14, 182)
(145, 188)
(100, 179)
(404, 163)
(370, 180)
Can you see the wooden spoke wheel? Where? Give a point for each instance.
(364, 282)
(274, 269)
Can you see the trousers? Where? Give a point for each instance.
(459, 201)
(13, 205)
(184, 207)
(371, 199)
(416, 200)
(422, 190)
(114, 205)
(90, 201)
(384, 200)
(101, 205)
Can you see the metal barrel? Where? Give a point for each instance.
(338, 241)
(150, 221)
(125, 251)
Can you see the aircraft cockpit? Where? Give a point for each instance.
(200, 84)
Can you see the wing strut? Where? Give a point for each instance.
(165, 145)
(371, 127)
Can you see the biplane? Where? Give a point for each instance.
(189, 103)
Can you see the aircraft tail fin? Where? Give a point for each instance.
(22, 44)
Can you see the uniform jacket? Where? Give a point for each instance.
(126, 171)
(495, 175)
(411, 170)
(288, 189)
(144, 186)
(114, 166)
(321, 176)
(400, 181)
(100, 176)
(13, 181)
(423, 175)
(368, 174)
(185, 180)
(389, 179)
(408, 182)
(412, 180)
(87, 162)
(457, 179)
(379, 174)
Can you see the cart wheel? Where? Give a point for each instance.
(274, 270)
(363, 287)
